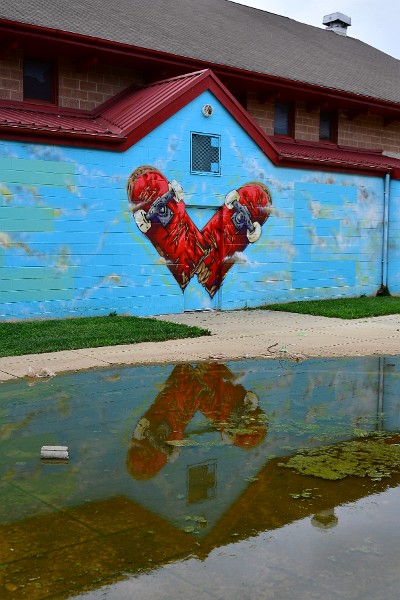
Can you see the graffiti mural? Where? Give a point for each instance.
(69, 245)
(160, 214)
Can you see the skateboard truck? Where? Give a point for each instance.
(241, 217)
(159, 210)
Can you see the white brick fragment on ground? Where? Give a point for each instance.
(54, 452)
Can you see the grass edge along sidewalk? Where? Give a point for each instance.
(342, 308)
(36, 337)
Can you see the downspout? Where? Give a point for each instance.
(384, 288)
(381, 388)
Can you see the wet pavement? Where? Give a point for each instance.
(235, 335)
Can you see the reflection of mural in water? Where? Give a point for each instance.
(160, 214)
(208, 388)
(110, 526)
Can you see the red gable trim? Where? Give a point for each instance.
(121, 123)
(173, 94)
(125, 120)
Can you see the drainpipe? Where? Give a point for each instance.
(384, 289)
(381, 387)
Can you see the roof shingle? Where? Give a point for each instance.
(224, 33)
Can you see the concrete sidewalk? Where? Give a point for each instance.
(235, 335)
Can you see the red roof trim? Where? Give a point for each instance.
(318, 154)
(169, 103)
(120, 124)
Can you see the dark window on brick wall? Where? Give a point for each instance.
(39, 80)
(241, 97)
(284, 119)
(328, 125)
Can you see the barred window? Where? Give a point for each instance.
(206, 153)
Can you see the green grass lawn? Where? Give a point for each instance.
(342, 308)
(35, 337)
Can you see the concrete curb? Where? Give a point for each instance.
(235, 335)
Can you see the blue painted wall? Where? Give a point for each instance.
(394, 238)
(69, 244)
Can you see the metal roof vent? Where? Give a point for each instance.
(337, 22)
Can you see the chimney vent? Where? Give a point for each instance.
(337, 22)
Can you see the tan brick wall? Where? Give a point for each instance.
(391, 138)
(262, 112)
(362, 132)
(11, 77)
(84, 89)
(306, 123)
(369, 132)
(91, 87)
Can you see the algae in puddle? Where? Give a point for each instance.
(362, 458)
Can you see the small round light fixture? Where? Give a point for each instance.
(207, 110)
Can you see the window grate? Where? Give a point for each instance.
(206, 154)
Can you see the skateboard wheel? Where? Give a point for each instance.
(255, 235)
(230, 198)
(141, 221)
(141, 428)
(251, 401)
(176, 187)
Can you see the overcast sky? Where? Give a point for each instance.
(375, 22)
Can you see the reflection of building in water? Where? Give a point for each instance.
(165, 421)
(325, 519)
(234, 410)
(201, 482)
(208, 388)
(109, 525)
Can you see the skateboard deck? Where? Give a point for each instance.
(160, 214)
(235, 225)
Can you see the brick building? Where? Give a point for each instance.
(90, 93)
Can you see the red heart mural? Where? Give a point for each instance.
(160, 214)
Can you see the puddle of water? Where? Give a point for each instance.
(199, 481)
